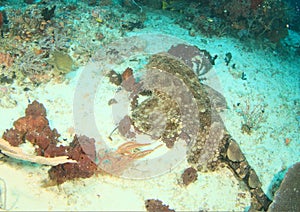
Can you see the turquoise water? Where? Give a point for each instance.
(149, 105)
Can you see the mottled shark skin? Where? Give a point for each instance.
(212, 145)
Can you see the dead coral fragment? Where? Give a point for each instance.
(36, 109)
(153, 205)
(128, 73)
(128, 81)
(34, 127)
(124, 127)
(70, 162)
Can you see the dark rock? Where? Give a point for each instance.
(48, 14)
(189, 176)
(114, 77)
(1, 19)
(228, 57)
(153, 205)
(29, 1)
(288, 195)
